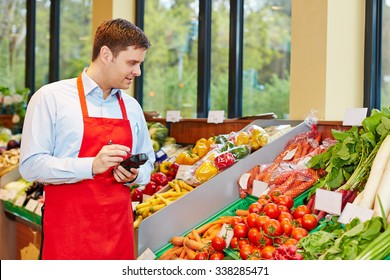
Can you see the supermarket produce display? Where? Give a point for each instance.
(253, 194)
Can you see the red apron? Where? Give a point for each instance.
(91, 219)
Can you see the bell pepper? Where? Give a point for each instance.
(165, 167)
(221, 139)
(187, 158)
(201, 147)
(224, 160)
(259, 138)
(240, 152)
(242, 138)
(206, 171)
(159, 178)
(227, 146)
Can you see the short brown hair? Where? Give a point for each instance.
(117, 35)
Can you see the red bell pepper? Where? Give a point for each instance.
(224, 160)
(159, 178)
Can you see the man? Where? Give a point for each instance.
(76, 133)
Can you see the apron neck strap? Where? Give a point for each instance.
(83, 102)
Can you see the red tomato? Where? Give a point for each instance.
(242, 243)
(287, 226)
(218, 243)
(255, 208)
(262, 201)
(251, 220)
(254, 236)
(236, 220)
(283, 208)
(240, 230)
(234, 242)
(265, 241)
(290, 241)
(246, 251)
(274, 195)
(217, 256)
(298, 233)
(261, 221)
(201, 256)
(273, 228)
(285, 200)
(271, 210)
(301, 210)
(266, 197)
(309, 221)
(285, 215)
(268, 252)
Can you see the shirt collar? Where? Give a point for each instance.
(90, 85)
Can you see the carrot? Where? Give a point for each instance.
(242, 212)
(193, 244)
(310, 202)
(205, 227)
(168, 253)
(286, 185)
(190, 252)
(298, 189)
(196, 235)
(177, 240)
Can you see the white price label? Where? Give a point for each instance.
(216, 116)
(352, 211)
(259, 188)
(182, 171)
(4, 194)
(31, 205)
(173, 116)
(38, 210)
(226, 233)
(354, 116)
(20, 200)
(147, 255)
(328, 201)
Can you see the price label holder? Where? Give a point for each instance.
(216, 116)
(182, 171)
(20, 200)
(31, 205)
(4, 194)
(38, 210)
(259, 188)
(173, 116)
(328, 201)
(147, 255)
(352, 211)
(354, 116)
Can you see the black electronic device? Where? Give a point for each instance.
(134, 161)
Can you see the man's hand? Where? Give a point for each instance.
(109, 156)
(121, 175)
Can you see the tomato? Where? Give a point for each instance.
(246, 251)
(265, 197)
(265, 240)
(218, 243)
(285, 215)
(255, 208)
(262, 201)
(273, 228)
(274, 195)
(217, 256)
(285, 200)
(290, 241)
(201, 256)
(271, 210)
(240, 230)
(242, 243)
(268, 252)
(256, 252)
(261, 220)
(301, 210)
(251, 220)
(283, 208)
(254, 236)
(309, 222)
(287, 226)
(236, 220)
(298, 233)
(234, 242)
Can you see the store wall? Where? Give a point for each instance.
(327, 57)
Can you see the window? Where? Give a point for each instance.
(42, 34)
(385, 76)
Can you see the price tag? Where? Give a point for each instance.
(12, 194)
(134, 204)
(328, 201)
(259, 188)
(182, 171)
(31, 205)
(38, 210)
(4, 194)
(173, 116)
(290, 154)
(352, 211)
(354, 116)
(147, 255)
(20, 200)
(216, 116)
(227, 233)
(243, 180)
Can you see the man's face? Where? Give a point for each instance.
(125, 67)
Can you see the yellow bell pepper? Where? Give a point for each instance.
(259, 138)
(165, 166)
(187, 158)
(201, 147)
(242, 138)
(206, 171)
